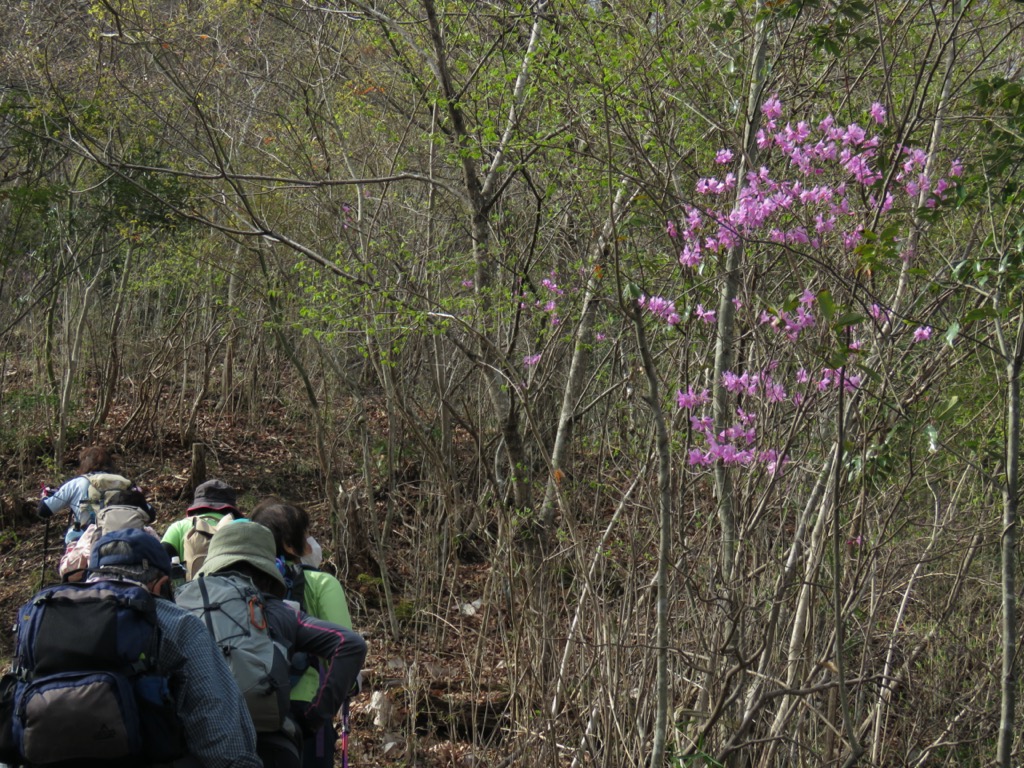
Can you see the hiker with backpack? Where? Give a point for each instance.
(239, 593)
(86, 493)
(214, 504)
(110, 672)
(319, 594)
(124, 509)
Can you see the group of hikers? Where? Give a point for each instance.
(221, 645)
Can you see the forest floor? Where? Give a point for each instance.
(415, 710)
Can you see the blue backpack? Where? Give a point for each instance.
(86, 686)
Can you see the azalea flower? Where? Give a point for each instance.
(772, 109)
(691, 255)
(552, 286)
(691, 399)
(707, 315)
(660, 306)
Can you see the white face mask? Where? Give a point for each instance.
(315, 555)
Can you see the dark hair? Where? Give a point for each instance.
(95, 458)
(262, 581)
(133, 497)
(288, 522)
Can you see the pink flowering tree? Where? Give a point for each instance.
(817, 202)
(828, 320)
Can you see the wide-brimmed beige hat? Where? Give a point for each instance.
(243, 542)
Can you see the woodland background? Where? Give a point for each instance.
(650, 492)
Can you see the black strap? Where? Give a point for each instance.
(206, 605)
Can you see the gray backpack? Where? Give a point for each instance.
(235, 613)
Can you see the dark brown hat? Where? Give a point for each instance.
(215, 495)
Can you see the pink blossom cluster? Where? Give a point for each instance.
(793, 323)
(712, 186)
(551, 285)
(830, 378)
(803, 211)
(734, 445)
(660, 307)
(833, 186)
(549, 305)
(737, 443)
(879, 313)
(758, 385)
(914, 177)
(690, 399)
(790, 324)
(709, 316)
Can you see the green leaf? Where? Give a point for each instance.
(871, 373)
(838, 358)
(982, 313)
(827, 305)
(933, 438)
(949, 408)
(850, 318)
(952, 332)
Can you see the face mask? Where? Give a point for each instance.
(315, 556)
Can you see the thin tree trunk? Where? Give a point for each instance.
(481, 193)
(227, 380)
(580, 357)
(725, 339)
(665, 538)
(1007, 716)
(111, 371)
(856, 750)
(74, 349)
(726, 333)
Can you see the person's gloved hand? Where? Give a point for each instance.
(309, 726)
(43, 511)
(357, 686)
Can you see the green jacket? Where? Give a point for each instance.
(324, 599)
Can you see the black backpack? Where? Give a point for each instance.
(295, 590)
(295, 583)
(86, 689)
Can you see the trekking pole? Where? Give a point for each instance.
(344, 734)
(46, 552)
(44, 492)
